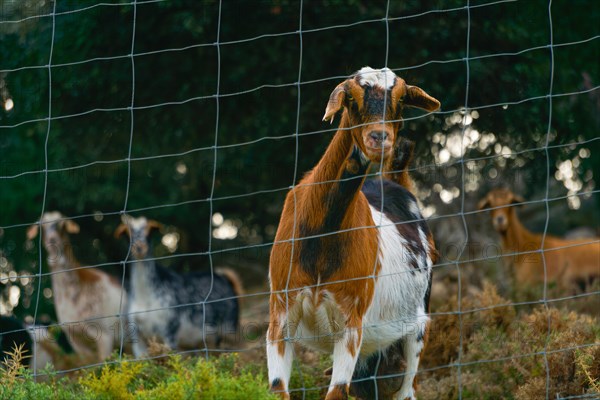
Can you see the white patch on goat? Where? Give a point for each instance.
(279, 366)
(425, 243)
(148, 307)
(189, 335)
(44, 343)
(396, 310)
(414, 209)
(412, 349)
(343, 361)
(86, 310)
(66, 288)
(137, 224)
(50, 222)
(384, 78)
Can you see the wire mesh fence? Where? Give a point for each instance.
(204, 115)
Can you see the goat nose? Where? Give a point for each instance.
(378, 136)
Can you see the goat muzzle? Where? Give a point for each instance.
(139, 250)
(377, 138)
(377, 145)
(500, 223)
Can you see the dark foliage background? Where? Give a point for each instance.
(202, 74)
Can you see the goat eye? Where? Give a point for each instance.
(350, 98)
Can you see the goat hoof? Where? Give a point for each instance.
(339, 392)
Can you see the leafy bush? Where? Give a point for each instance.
(177, 378)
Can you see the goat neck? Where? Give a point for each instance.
(329, 167)
(319, 187)
(61, 256)
(516, 237)
(143, 271)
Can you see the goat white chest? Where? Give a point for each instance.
(148, 306)
(397, 308)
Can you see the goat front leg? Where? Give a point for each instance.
(356, 165)
(345, 356)
(139, 348)
(413, 344)
(279, 350)
(105, 343)
(138, 342)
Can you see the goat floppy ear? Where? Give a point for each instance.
(32, 232)
(517, 199)
(336, 101)
(417, 97)
(121, 229)
(152, 224)
(71, 227)
(483, 203)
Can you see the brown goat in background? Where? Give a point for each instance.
(568, 262)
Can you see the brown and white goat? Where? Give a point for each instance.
(568, 262)
(88, 302)
(350, 269)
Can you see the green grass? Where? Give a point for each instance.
(175, 378)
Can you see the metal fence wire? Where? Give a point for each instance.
(471, 256)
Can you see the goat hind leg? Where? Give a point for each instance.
(412, 346)
(345, 356)
(279, 356)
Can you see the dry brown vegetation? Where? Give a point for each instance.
(528, 352)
